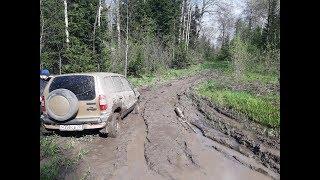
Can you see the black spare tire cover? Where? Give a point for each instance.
(62, 104)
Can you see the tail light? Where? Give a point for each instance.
(43, 104)
(103, 102)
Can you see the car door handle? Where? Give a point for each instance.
(120, 98)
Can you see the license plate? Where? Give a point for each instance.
(71, 128)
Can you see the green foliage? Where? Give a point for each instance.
(48, 147)
(224, 53)
(164, 76)
(181, 60)
(271, 33)
(164, 13)
(78, 58)
(136, 64)
(78, 55)
(143, 80)
(262, 78)
(239, 55)
(223, 66)
(153, 39)
(53, 158)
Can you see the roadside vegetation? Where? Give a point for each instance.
(57, 157)
(262, 109)
(165, 75)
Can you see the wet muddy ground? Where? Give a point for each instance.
(157, 144)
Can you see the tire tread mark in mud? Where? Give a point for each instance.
(147, 140)
(189, 155)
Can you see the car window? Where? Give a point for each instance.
(109, 84)
(126, 84)
(81, 85)
(117, 83)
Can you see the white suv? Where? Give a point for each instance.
(74, 102)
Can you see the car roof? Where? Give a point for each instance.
(92, 73)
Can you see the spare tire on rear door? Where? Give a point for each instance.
(62, 104)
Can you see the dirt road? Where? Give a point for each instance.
(155, 144)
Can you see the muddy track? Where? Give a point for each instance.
(156, 144)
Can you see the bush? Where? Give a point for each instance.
(180, 60)
(135, 67)
(239, 55)
(224, 54)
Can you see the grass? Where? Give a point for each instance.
(144, 80)
(50, 150)
(223, 66)
(251, 75)
(262, 78)
(164, 76)
(54, 160)
(262, 109)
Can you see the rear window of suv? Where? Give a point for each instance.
(81, 85)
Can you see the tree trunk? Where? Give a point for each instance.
(110, 13)
(188, 26)
(127, 45)
(41, 33)
(118, 23)
(60, 63)
(94, 30)
(174, 42)
(66, 20)
(99, 13)
(184, 22)
(181, 25)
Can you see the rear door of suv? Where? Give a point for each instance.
(84, 87)
(128, 92)
(118, 90)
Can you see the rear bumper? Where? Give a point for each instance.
(85, 126)
(88, 123)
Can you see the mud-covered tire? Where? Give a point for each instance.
(114, 127)
(72, 107)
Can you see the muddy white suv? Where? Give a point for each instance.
(74, 102)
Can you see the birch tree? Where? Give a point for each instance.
(118, 22)
(41, 32)
(181, 20)
(127, 45)
(110, 17)
(99, 12)
(66, 20)
(188, 26)
(184, 20)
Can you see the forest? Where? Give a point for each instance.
(147, 37)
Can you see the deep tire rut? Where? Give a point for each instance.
(156, 144)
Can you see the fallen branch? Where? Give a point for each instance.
(180, 115)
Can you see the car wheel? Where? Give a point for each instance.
(114, 127)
